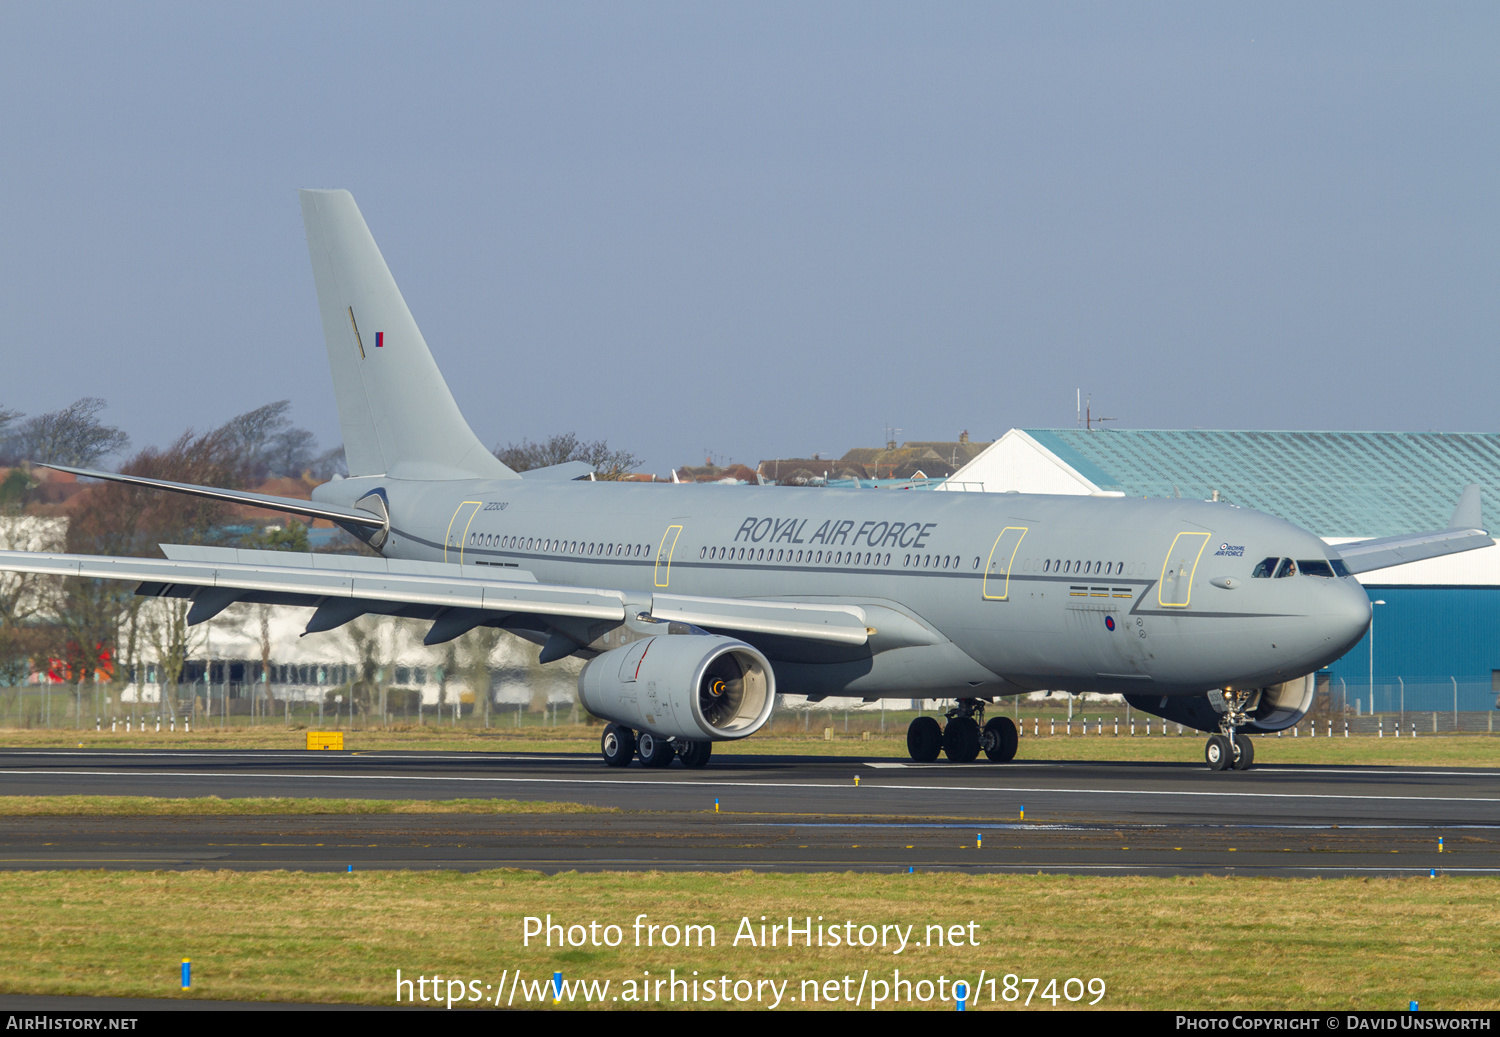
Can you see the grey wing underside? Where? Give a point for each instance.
(344, 587)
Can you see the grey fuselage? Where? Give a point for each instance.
(966, 594)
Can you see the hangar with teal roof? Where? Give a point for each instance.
(1437, 622)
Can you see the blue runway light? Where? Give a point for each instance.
(187, 973)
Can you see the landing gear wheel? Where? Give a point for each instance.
(695, 754)
(1217, 753)
(961, 739)
(655, 751)
(924, 739)
(617, 746)
(1244, 752)
(1000, 739)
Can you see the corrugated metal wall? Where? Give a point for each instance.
(1430, 642)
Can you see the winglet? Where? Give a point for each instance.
(1467, 514)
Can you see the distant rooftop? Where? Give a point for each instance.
(911, 460)
(1331, 483)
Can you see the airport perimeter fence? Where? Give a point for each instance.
(109, 707)
(1407, 706)
(1403, 695)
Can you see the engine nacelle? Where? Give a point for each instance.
(698, 687)
(1282, 705)
(1273, 709)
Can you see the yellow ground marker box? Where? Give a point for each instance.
(325, 739)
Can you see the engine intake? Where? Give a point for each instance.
(692, 686)
(1283, 705)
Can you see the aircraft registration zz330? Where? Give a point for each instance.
(695, 605)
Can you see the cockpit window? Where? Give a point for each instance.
(1339, 567)
(1315, 567)
(1264, 570)
(1287, 568)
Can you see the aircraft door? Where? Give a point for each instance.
(1002, 561)
(664, 555)
(1175, 589)
(458, 531)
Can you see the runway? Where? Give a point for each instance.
(774, 813)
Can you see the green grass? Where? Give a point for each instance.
(203, 806)
(1197, 943)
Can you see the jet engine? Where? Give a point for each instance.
(1275, 708)
(1283, 705)
(697, 687)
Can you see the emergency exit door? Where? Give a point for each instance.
(1002, 560)
(458, 531)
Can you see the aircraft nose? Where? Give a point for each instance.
(1348, 614)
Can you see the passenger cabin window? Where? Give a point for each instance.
(1265, 569)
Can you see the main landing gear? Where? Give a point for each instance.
(619, 745)
(963, 738)
(1227, 750)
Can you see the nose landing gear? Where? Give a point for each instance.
(1228, 750)
(963, 739)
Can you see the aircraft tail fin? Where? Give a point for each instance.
(396, 411)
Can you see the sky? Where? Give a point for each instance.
(766, 230)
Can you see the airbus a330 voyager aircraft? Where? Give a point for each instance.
(695, 605)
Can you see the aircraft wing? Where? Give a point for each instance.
(1464, 534)
(309, 580)
(1364, 555)
(344, 587)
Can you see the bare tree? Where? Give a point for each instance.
(560, 449)
(373, 640)
(29, 603)
(328, 464)
(267, 442)
(475, 656)
(117, 519)
(72, 436)
(173, 640)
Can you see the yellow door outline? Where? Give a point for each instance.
(664, 555)
(463, 536)
(1183, 587)
(1002, 560)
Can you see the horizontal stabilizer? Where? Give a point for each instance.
(332, 512)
